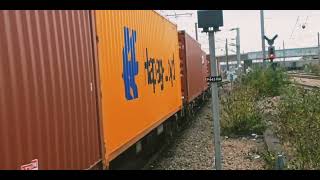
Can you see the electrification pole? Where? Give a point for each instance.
(196, 29)
(318, 47)
(262, 37)
(238, 48)
(227, 58)
(284, 55)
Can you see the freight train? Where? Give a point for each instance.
(94, 89)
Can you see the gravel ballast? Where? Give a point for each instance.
(193, 149)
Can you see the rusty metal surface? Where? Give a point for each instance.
(209, 66)
(205, 70)
(191, 58)
(183, 67)
(48, 106)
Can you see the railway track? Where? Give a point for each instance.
(305, 80)
(305, 86)
(307, 76)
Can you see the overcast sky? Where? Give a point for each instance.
(286, 23)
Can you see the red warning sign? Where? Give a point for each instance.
(34, 165)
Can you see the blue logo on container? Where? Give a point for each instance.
(130, 64)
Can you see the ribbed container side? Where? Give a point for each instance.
(205, 72)
(192, 63)
(139, 71)
(48, 106)
(209, 66)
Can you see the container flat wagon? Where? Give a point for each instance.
(93, 89)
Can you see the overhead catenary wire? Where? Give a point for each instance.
(305, 23)
(294, 27)
(293, 31)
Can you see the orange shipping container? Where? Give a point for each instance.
(139, 74)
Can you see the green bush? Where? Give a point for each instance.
(315, 69)
(240, 113)
(268, 82)
(299, 124)
(312, 68)
(306, 68)
(297, 120)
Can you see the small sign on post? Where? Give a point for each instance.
(214, 79)
(210, 21)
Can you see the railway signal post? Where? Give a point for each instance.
(210, 21)
(271, 50)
